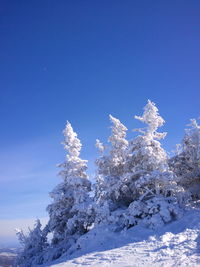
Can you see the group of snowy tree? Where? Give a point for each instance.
(136, 183)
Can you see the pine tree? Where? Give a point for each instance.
(34, 245)
(148, 185)
(110, 168)
(186, 164)
(111, 165)
(71, 212)
(146, 152)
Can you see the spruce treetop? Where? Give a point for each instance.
(153, 120)
(73, 166)
(71, 143)
(117, 139)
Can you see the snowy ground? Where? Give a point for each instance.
(177, 244)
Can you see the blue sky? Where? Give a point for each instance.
(81, 61)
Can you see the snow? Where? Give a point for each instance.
(175, 244)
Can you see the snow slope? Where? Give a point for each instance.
(176, 244)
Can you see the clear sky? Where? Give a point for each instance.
(81, 61)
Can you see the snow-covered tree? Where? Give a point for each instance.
(147, 176)
(146, 153)
(110, 166)
(119, 146)
(33, 244)
(71, 212)
(186, 164)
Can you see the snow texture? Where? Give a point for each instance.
(175, 244)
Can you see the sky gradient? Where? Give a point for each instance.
(81, 61)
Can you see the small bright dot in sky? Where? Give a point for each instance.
(81, 61)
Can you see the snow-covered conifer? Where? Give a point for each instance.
(147, 175)
(71, 212)
(119, 147)
(34, 244)
(146, 153)
(110, 166)
(186, 164)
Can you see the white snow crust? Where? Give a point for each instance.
(176, 244)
